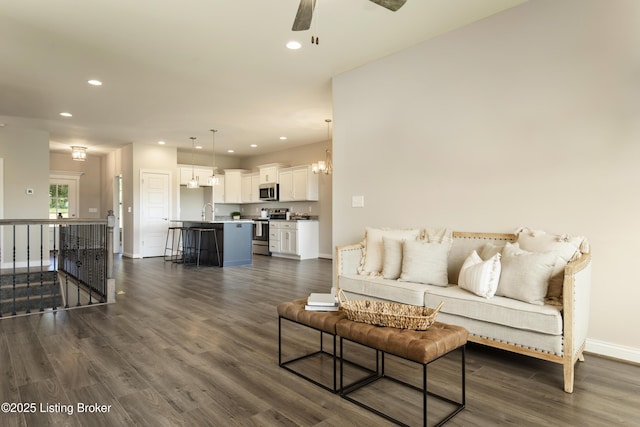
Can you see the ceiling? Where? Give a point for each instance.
(175, 69)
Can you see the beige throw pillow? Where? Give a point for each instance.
(372, 261)
(480, 277)
(392, 258)
(425, 262)
(525, 276)
(564, 246)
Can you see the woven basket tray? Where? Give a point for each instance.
(391, 314)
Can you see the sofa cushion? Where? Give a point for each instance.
(480, 277)
(372, 287)
(425, 262)
(525, 275)
(373, 249)
(546, 319)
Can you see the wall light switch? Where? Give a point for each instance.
(93, 210)
(357, 201)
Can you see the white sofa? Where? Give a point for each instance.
(553, 329)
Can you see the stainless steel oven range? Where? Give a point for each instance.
(260, 242)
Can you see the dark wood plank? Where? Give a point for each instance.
(198, 347)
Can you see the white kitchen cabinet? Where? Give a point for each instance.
(250, 188)
(269, 173)
(298, 183)
(274, 237)
(200, 173)
(294, 239)
(233, 185)
(218, 190)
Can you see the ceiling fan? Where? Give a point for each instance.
(305, 11)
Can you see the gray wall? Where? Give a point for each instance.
(529, 117)
(26, 165)
(25, 154)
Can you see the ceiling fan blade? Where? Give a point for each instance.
(303, 17)
(392, 5)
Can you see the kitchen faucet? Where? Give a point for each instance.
(204, 207)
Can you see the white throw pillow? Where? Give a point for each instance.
(392, 258)
(525, 277)
(373, 247)
(480, 277)
(425, 262)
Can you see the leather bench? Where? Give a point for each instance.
(422, 347)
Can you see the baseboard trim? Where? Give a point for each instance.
(325, 256)
(130, 255)
(613, 351)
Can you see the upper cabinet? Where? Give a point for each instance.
(218, 190)
(269, 173)
(250, 188)
(233, 185)
(298, 183)
(200, 173)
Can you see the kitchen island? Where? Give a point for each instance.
(221, 243)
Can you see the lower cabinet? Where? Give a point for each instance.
(294, 239)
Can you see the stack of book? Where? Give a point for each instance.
(321, 302)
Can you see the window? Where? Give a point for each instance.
(58, 200)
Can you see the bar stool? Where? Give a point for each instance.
(175, 247)
(196, 244)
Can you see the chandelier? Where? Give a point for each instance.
(79, 153)
(325, 166)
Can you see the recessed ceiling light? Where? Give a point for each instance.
(293, 45)
(161, 142)
(95, 82)
(253, 145)
(230, 151)
(65, 114)
(283, 138)
(198, 147)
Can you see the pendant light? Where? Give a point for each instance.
(213, 179)
(193, 183)
(325, 166)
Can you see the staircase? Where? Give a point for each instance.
(34, 292)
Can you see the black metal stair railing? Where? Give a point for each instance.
(45, 264)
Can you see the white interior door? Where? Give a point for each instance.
(155, 213)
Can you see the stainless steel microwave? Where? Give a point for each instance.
(268, 192)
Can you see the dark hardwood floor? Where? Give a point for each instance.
(189, 347)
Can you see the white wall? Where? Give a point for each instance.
(529, 117)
